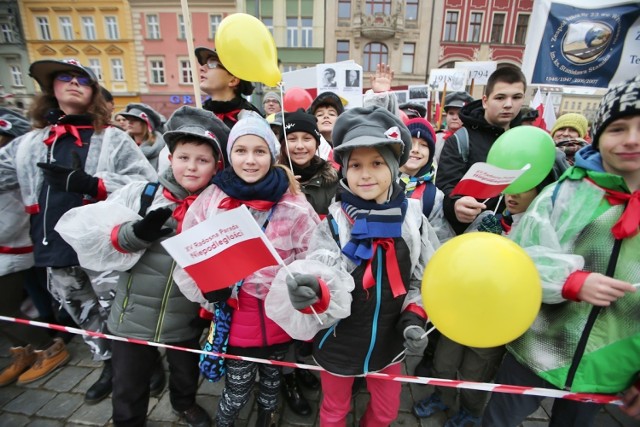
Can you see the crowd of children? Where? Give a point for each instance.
(355, 203)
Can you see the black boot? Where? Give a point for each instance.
(265, 418)
(307, 379)
(101, 388)
(294, 397)
(158, 379)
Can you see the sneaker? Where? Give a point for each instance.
(23, 358)
(46, 362)
(463, 419)
(195, 416)
(429, 406)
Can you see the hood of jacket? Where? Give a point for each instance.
(472, 115)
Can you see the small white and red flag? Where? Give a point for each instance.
(484, 181)
(222, 250)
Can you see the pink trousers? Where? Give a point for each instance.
(381, 411)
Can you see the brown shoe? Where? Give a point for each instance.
(23, 358)
(46, 362)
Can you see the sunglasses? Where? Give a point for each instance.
(213, 63)
(82, 80)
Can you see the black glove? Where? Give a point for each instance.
(218, 295)
(72, 180)
(150, 228)
(303, 290)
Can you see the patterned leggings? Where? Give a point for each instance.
(239, 380)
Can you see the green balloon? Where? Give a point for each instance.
(520, 146)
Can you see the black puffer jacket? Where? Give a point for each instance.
(321, 188)
(452, 167)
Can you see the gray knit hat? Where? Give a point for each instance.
(190, 122)
(620, 101)
(370, 127)
(13, 124)
(145, 113)
(251, 123)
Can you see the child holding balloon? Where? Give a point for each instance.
(583, 235)
(357, 292)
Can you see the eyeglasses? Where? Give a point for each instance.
(82, 80)
(214, 63)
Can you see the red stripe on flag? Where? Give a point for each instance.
(477, 189)
(231, 265)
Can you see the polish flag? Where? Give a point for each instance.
(549, 114)
(222, 250)
(484, 181)
(438, 114)
(538, 104)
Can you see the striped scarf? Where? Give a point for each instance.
(371, 221)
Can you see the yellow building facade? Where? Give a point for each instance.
(98, 33)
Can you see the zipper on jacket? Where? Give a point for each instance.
(328, 334)
(376, 314)
(45, 242)
(125, 302)
(165, 300)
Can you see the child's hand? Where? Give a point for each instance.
(415, 340)
(490, 224)
(73, 179)
(467, 209)
(381, 80)
(150, 227)
(631, 399)
(303, 290)
(602, 290)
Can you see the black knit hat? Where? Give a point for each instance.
(620, 101)
(324, 99)
(299, 121)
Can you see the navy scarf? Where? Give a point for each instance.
(372, 221)
(271, 188)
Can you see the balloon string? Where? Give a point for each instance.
(428, 332)
(286, 140)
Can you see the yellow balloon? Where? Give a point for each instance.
(481, 290)
(246, 48)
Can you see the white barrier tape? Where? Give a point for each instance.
(496, 388)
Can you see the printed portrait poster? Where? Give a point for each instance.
(593, 44)
(342, 78)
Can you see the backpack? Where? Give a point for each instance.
(429, 200)
(146, 198)
(462, 138)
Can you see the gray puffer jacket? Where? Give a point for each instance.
(148, 304)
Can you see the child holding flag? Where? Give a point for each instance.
(148, 305)
(271, 194)
(363, 272)
(583, 235)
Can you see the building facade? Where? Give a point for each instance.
(403, 34)
(98, 33)
(16, 88)
(162, 55)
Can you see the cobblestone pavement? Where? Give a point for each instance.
(57, 400)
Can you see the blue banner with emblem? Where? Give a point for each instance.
(594, 44)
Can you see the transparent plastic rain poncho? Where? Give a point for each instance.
(289, 230)
(88, 228)
(325, 261)
(548, 231)
(112, 156)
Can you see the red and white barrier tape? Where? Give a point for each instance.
(496, 388)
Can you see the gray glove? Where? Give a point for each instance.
(303, 290)
(414, 341)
